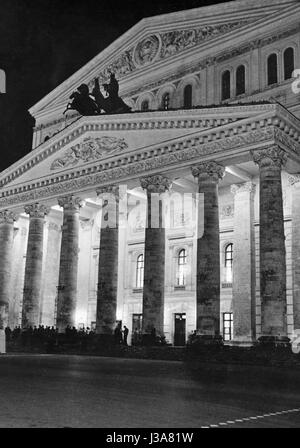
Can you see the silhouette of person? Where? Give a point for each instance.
(125, 332)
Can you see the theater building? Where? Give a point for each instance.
(215, 111)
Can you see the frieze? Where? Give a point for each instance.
(183, 154)
(90, 149)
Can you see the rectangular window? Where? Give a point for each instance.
(227, 326)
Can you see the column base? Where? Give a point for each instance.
(149, 339)
(2, 341)
(274, 342)
(107, 340)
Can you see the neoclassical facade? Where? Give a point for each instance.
(214, 131)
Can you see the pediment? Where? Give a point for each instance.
(160, 39)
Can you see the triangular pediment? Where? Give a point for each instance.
(158, 40)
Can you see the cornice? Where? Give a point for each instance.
(176, 155)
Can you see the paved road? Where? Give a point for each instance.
(74, 391)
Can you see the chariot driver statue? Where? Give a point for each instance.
(92, 104)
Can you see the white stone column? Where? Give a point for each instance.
(243, 288)
(34, 265)
(272, 244)
(68, 266)
(208, 250)
(7, 219)
(296, 250)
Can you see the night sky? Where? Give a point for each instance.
(43, 42)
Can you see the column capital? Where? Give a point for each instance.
(211, 169)
(270, 154)
(7, 217)
(70, 202)
(36, 210)
(155, 184)
(241, 188)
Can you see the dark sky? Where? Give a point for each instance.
(43, 42)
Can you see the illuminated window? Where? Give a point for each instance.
(139, 271)
(187, 97)
(165, 103)
(227, 326)
(226, 85)
(240, 80)
(272, 69)
(181, 268)
(289, 63)
(145, 105)
(228, 262)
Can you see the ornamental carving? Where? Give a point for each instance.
(36, 210)
(70, 202)
(179, 40)
(108, 190)
(155, 184)
(147, 50)
(7, 217)
(212, 169)
(294, 179)
(90, 149)
(227, 211)
(271, 154)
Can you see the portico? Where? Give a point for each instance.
(230, 154)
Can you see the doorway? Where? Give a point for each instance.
(137, 321)
(180, 328)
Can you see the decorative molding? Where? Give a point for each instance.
(36, 210)
(7, 217)
(70, 202)
(155, 184)
(263, 157)
(86, 223)
(108, 190)
(168, 155)
(208, 169)
(54, 226)
(90, 149)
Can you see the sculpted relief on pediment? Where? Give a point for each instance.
(160, 46)
(90, 149)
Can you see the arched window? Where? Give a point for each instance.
(145, 105)
(181, 268)
(240, 80)
(226, 85)
(139, 278)
(187, 97)
(165, 103)
(228, 262)
(289, 63)
(272, 69)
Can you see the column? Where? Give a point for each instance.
(243, 288)
(34, 265)
(295, 181)
(108, 261)
(208, 250)
(68, 265)
(272, 244)
(154, 261)
(7, 219)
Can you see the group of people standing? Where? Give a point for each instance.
(121, 335)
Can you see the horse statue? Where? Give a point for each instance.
(92, 104)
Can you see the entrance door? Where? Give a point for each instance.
(179, 335)
(136, 328)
